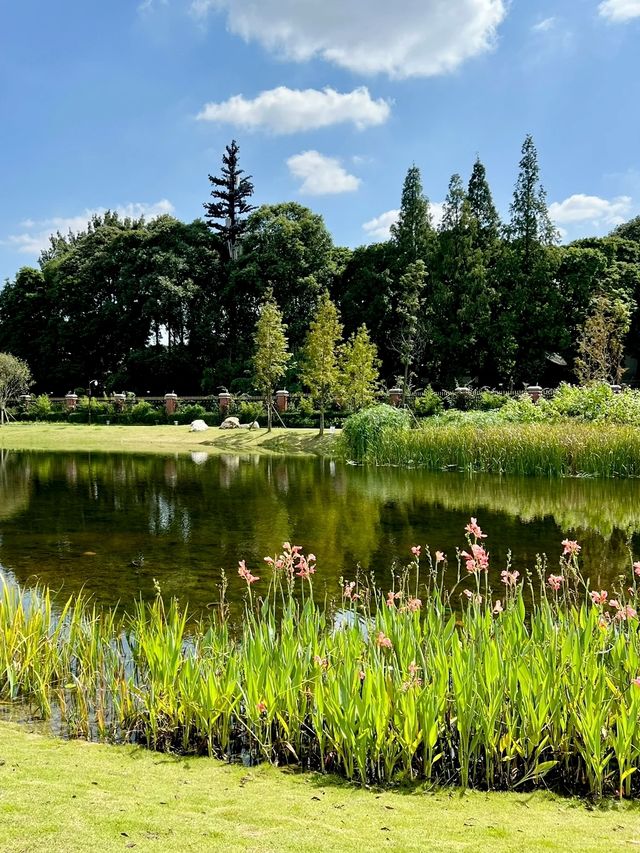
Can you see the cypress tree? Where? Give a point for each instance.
(413, 232)
(530, 224)
(481, 206)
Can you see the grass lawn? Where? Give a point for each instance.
(161, 439)
(75, 796)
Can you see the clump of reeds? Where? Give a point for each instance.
(547, 449)
(439, 678)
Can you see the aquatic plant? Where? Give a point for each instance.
(438, 678)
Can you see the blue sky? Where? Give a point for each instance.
(128, 105)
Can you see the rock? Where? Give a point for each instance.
(198, 426)
(254, 425)
(230, 423)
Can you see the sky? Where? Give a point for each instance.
(128, 104)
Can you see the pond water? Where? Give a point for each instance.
(110, 524)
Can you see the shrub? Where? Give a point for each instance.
(250, 411)
(489, 400)
(428, 403)
(41, 407)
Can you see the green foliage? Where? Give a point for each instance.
(272, 354)
(41, 407)
(320, 363)
(601, 342)
(419, 684)
(359, 376)
(250, 411)
(363, 431)
(428, 403)
(15, 379)
(490, 400)
(413, 232)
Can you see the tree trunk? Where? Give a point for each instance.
(405, 381)
(269, 411)
(322, 418)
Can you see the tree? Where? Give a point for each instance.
(531, 225)
(413, 232)
(629, 230)
(409, 303)
(481, 206)
(360, 378)
(601, 342)
(15, 378)
(271, 350)
(231, 191)
(320, 368)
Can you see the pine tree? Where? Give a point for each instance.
(320, 365)
(452, 209)
(530, 225)
(232, 192)
(481, 206)
(271, 350)
(413, 232)
(360, 376)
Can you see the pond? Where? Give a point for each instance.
(111, 524)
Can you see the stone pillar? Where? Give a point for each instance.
(282, 401)
(71, 400)
(224, 401)
(616, 388)
(118, 401)
(535, 392)
(25, 399)
(170, 403)
(395, 396)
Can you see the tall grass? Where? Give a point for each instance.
(542, 449)
(451, 687)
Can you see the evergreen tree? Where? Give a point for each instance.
(320, 366)
(481, 206)
(452, 210)
(271, 350)
(232, 192)
(360, 364)
(409, 304)
(413, 232)
(530, 225)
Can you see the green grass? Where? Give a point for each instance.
(74, 796)
(161, 439)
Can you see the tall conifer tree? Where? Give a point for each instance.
(481, 206)
(530, 224)
(413, 232)
(231, 191)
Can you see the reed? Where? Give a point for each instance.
(439, 679)
(543, 449)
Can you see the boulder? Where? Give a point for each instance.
(230, 423)
(198, 426)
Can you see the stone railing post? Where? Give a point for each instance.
(535, 392)
(171, 403)
(224, 401)
(71, 401)
(395, 396)
(282, 401)
(118, 402)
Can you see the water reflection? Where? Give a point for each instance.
(77, 520)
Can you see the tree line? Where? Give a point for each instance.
(152, 306)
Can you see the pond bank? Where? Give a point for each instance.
(75, 796)
(164, 439)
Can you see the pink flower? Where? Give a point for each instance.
(497, 607)
(477, 560)
(636, 568)
(416, 551)
(473, 596)
(245, 574)
(474, 529)
(391, 598)
(509, 578)
(571, 547)
(323, 663)
(269, 560)
(555, 581)
(304, 568)
(626, 612)
(440, 557)
(347, 592)
(414, 669)
(382, 641)
(261, 707)
(599, 597)
(615, 604)
(636, 681)
(361, 675)
(413, 605)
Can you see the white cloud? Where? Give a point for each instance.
(620, 10)
(35, 236)
(285, 110)
(321, 175)
(591, 209)
(544, 25)
(379, 228)
(402, 39)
